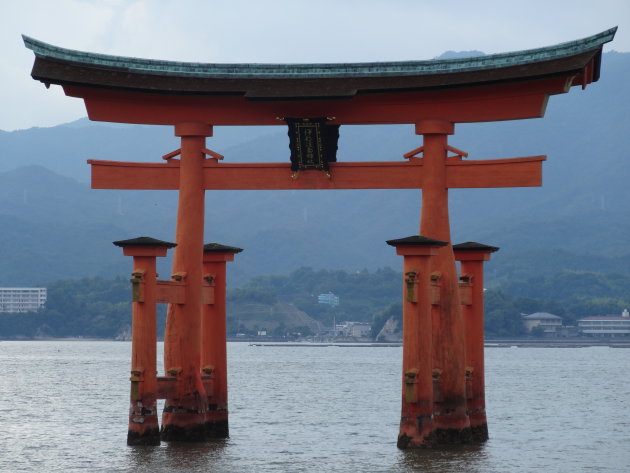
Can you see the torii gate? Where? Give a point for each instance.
(433, 95)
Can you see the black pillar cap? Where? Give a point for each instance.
(416, 240)
(144, 241)
(474, 246)
(219, 248)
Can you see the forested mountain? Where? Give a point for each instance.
(55, 227)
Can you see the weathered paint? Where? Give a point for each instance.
(184, 415)
(452, 424)
(213, 344)
(472, 268)
(417, 427)
(143, 417)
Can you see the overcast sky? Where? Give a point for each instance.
(277, 31)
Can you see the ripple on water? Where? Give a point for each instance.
(63, 407)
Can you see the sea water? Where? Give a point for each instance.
(63, 407)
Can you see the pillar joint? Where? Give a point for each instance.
(193, 129)
(435, 127)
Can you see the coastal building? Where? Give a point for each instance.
(354, 329)
(606, 325)
(22, 299)
(329, 299)
(549, 323)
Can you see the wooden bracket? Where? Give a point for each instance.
(413, 154)
(172, 154)
(208, 152)
(458, 153)
(213, 154)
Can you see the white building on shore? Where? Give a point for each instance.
(549, 323)
(606, 325)
(22, 299)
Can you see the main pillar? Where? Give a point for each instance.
(417, 428)
(451, 420)
(184, 414)
(472, 255)
(143, 420)
(214, 337)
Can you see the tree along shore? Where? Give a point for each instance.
(286, 306)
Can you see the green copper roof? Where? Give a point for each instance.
(306, 71)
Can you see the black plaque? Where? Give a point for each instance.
(313, 143)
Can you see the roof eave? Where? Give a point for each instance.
(54, 65)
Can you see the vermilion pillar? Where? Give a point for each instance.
(417, 428)
(214, 337)
(451, 420)
(472, 255)
(143, 420)
(184, 413)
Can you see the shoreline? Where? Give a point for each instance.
(489, 343)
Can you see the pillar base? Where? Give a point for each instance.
(183, 424)
(183, 428)
(407, 442)
(478, 424)
(452, 426)
(144, 428)
(479, 432)
(453, 436)
(416, 432)
(217, 430)
(149, 436)
(217, 424)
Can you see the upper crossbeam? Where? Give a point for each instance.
(512, 172)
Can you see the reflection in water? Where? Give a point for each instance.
(177, 456)
(448, 459)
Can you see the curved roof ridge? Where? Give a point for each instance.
(323, 70)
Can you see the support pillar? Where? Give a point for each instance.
(144, 428)
(184, 412)
(214, 338)
(472, 255)
(417, 428)
(451, 420)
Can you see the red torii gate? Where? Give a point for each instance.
(433, 95)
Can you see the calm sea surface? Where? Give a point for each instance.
(63, 407)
